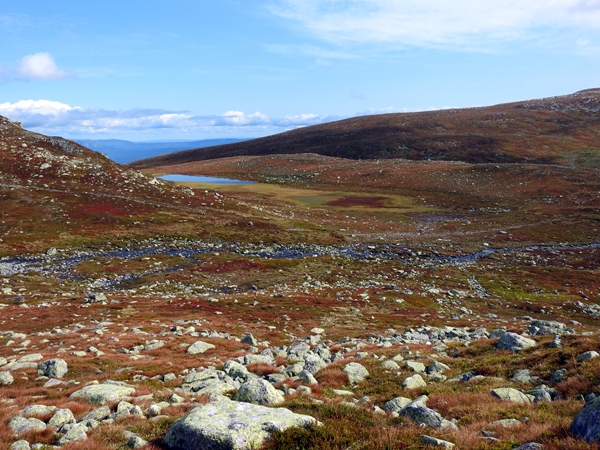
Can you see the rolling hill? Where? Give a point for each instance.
(122, 151)
(561, 130)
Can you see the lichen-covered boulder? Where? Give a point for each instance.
(208, 382)
(53, 368)
(77, 432)
(586, 424)
(259, 392)
(512, 395)
(356, 372)
(61, 417)
(414, 382)
(20, 445)
(21, 425)
(37, 410)
(6, 378)
(418, 411)
(97, 414)
(544, 327)
(435, 442)
(230, 425)
(514, 342)
(199, 347)
(103, 393)
(397, 404)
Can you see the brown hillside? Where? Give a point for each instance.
(559, 130)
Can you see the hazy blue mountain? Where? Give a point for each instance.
(126, 151)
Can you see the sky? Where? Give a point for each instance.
(199, 69)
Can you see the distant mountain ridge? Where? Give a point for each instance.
(561, 130)
(122, 151)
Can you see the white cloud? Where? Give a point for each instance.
(56, 118)
(40, 66)
(42, 107)
(473, 24)
(241, 119)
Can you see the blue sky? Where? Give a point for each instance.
(154, 70)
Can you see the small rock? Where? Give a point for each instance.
(136, 442)
(390, 365)
(558, 375)
(586, 356)
(414, 382)
(356, 372)
(530, 446)
(514, 342)
(76, 433)
(199, 347)
(249, 339)
(6, 378)
(511, 395)
(22, 425)
(507, 423)
(435, 442)
(415, 366)
(258, 392)
(103, 393)
(20, 445)
(53, 368)
(61, 417)
(397, 404)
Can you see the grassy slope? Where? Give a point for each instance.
(558, 130)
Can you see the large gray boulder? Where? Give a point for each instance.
(230, 425)
(103, 393)
(259, 392)
(514, 342)
(356, 372)
(53, 368)
(586, 424)
(199, 347)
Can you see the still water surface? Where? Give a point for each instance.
(202, 179)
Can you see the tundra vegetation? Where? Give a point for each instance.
(337, 303)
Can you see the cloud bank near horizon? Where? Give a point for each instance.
(52, 117)
(466, 25)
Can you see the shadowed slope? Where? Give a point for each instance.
(559, 130)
